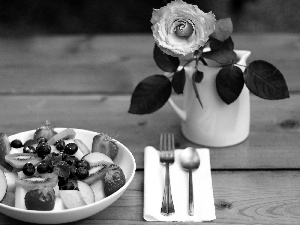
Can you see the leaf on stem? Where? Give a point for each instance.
(178, 81)
(195, 87)
(223, 29)
(265, 80)
(198, 76)
(221, 52)
(150, 94)
(230, 83)
(164, 61)
(216, 45)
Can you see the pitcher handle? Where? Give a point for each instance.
(181, 113)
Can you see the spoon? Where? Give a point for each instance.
(190, 160)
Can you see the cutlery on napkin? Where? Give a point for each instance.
(154, 174)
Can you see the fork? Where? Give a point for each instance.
(167, 147)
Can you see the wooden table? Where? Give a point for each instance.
(86, 82)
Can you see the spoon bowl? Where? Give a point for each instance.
(190, 161)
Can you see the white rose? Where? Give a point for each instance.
(180, 28)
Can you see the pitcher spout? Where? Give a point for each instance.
(243, 55)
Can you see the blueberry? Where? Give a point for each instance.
(16, 143)
(70, 149)
(71, 160)
(29, 149)
(43, 149)
(63, 156)
(42, 167)
(82, 173)
(28, 169)
(83, 163)
(60, 145)
(41, 140)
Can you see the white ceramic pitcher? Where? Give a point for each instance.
(216, 124)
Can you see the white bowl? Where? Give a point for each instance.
(124, 159)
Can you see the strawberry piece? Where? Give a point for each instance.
(40, 199)
(45, 131)
(4, 150)
(105, 144)
(114, 179)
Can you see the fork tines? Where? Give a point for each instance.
(167, 147)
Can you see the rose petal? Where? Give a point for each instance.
(166, 19)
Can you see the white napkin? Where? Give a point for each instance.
(154, 180)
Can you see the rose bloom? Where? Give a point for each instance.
(180, 28)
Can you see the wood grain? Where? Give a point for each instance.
(273, 142)
(86, 82)
(241, 197)
(114, 63)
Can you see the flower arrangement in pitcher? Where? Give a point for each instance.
(182, 30)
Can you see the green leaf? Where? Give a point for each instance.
(265, 80)
(178, 81)
(221, 52)
(216, 45)
(230, 83)
(195, 88)
(198, 76)
(223, 29)
(164, 61)
(150, 94)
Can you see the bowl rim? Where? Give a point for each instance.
(106, 199)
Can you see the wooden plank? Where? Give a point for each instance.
(273, 142)
(114, 63)
(241, 197)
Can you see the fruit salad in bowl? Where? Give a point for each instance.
(57, 175)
